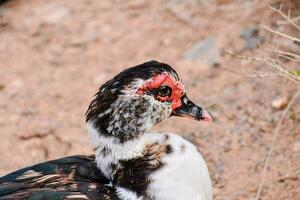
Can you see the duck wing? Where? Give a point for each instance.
(74, 177)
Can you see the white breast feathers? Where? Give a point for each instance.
(184, 174)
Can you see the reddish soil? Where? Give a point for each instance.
(55, 55)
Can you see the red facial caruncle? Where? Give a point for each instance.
(164, 79)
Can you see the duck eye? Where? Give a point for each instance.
(164, 91)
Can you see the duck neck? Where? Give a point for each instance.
(109, 151)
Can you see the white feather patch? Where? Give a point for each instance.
(184, 175)
(125, 194)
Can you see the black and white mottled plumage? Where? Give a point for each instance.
(73, 178)
(132, 163)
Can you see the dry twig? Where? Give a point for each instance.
(276, 64)
(274, 137)
(286, 17)
(292, 56)
(281, 69)
(294, 39)
(284, 22)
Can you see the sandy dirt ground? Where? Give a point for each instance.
(55, 54)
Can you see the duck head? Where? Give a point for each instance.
(139, 97)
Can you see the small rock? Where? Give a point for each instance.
(249, 32)
(219, 167)
(252, 38)
(296, 146)
(280, 103)
(55, 13)
(206, 50)
(54, 60)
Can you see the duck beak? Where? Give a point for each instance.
(191, 110)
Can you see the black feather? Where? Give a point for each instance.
(57, 179)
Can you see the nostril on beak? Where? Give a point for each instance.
(196, 111)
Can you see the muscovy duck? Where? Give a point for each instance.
(130, 163)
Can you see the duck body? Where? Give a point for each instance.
(130, 162)
(74, 177)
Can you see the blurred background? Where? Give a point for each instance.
(55, 54)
